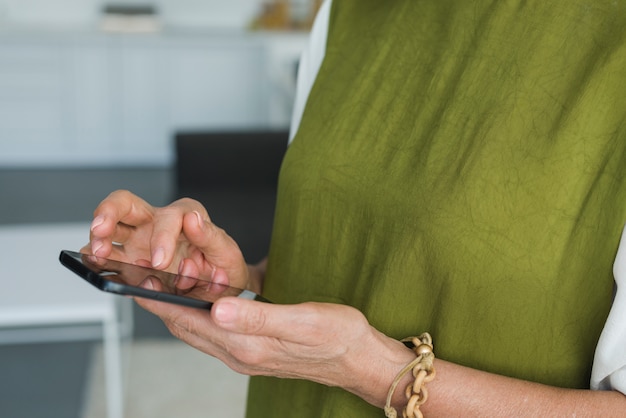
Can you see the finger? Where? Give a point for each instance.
(183, 322)
(189, 268)
(295, 323)
(121, 206)
(225, 261)
(151, 283)
(168, 228)
(113, 219)
(185, 282)
(205, 235)
(164, 310)
(105, 246)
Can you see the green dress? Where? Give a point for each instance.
(459, 169)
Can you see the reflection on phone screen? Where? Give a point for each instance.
(129, 279)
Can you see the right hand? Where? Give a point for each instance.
(179, 238)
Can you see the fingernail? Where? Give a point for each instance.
(158, 257)
(199, 219)
(225, 312)
(147, 284)
(98, 220)
(95, 246)
(183, 268)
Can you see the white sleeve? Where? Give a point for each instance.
(310, 63)
(609, 365)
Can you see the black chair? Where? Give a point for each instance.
(234, 175)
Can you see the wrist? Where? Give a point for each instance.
(422, 371)
(372, 374)
(256, 275)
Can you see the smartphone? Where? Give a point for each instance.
(128, 279)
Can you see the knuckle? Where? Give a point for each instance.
(182, 325)
(123, 193)
(119, 196)
(256, 320)
(312, 314)
(187, 201)
(251, 358)
(188, 204)
(170, 211)
(110, 201)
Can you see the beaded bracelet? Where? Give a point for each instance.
(423, 372)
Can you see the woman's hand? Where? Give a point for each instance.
(326, 343)
(178, 238)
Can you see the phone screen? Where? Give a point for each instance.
(129, 279)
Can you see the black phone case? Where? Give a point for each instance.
(102, 278)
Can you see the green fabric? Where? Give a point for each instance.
(459, 169)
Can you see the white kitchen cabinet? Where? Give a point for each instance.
(225, 87)
(91, 98)
(92, 132)
(32, 98)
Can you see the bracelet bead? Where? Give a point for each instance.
(423, 349)
(423, 371)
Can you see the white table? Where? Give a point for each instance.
(42, 301)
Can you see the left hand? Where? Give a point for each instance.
(326, 343)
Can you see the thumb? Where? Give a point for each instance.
(294, 323)
(244, 316)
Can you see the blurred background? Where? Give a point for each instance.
(166, 98)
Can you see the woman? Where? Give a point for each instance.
(458, 168)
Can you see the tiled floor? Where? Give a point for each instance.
(193, 386)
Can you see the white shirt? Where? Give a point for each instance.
(609, 367)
